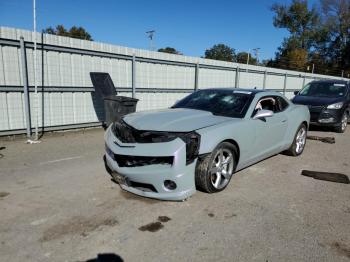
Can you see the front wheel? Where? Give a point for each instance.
(343, 124)
(299, 142)
(214, 171)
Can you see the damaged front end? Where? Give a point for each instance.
(154, 164)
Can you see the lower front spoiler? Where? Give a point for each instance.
(178, 196)
(333, 124)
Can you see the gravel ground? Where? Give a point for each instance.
(57, 203)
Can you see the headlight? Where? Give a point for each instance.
(336, 105)
(192, 141)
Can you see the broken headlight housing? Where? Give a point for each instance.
(127, 134)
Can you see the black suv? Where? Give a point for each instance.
(328, 102)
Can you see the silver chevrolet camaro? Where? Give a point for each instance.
(202, 140)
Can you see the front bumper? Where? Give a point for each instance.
(153, 175)
(325, 117)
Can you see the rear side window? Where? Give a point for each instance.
(282, 103)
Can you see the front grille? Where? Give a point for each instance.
(316, 108)
(143, 187)
(134, 161)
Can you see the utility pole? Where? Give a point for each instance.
(342, 73)
(35, 74)
(313, 68)
(256, 53)
(248, 54)
(150, 35)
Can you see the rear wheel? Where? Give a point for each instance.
(343, 124)
(299, 142)
(214, 171)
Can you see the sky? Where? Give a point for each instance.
(190, 26)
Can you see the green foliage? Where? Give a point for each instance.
(317, 36)
(74, 32)
(298, 19)
(169, 50)
(221, 52)
(242, 58)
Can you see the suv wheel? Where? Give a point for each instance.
(343, 124)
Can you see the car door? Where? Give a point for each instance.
(269, 131)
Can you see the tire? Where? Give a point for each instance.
(298, 145)
(205, 176)
(343, 124)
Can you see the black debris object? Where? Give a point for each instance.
(326, 139)
(2, 148)
(332, 177)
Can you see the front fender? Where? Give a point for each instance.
(240, 132)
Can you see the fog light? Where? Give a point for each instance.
(327, 120)
(170, 185)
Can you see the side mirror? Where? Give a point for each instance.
(296, 93)
(263, 113)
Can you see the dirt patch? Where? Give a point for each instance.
(341, 249)
(4, 194)
(230, 216)
(76, 226)
(164, 219)
(152, 227)
(211, 215)
(131, 196)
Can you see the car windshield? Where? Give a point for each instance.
(219, 102)
(324, 89)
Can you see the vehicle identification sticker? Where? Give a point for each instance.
(242, 92)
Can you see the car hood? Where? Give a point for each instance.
(315, 101)
(174, 120)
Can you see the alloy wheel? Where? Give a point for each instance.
(300, 140)
(221, 168)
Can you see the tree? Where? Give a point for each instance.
(74, 32)
(303, 24)
(169, 50)
(242, 58)
(336, 25)
(298, 19)
(221, 52)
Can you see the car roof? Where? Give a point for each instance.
(336, 81)
(252, 90)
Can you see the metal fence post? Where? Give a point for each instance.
(196, 75)
(25, 88)
(133, 76)
(264, 81)
(237, 77)
(285, 84)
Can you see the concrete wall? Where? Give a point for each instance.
(64, 64)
